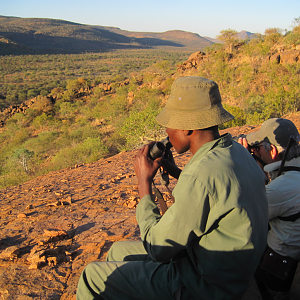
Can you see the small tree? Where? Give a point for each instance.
(292, 38)
(273, 35)
(296, 25)
(22, 156)
(229, 37)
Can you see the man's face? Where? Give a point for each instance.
(179, 140)
(260, 151)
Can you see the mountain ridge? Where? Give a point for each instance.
(244, 35)
(50, 36)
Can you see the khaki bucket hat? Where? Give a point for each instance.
(276, 131)
(194, 103)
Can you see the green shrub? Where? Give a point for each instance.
(40, 106)
(292, 39)
(213, 47)
(32, 93)
(90, 150)
(23, 156)
(16, 121)
(239, 117)
(19, 137)
(16, 166)
(256, 111)
(145, 97)
(42, 121)
(67, 109)
(166, 87)
(257, 46)
(70, 136)
(12, 174)
(98, 92)
(139, 126)
(43, 143)
(273, 36)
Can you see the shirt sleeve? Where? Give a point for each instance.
(165, 237)
(276, 201)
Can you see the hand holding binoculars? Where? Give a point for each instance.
(159, 148)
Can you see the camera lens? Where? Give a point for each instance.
(157, 150)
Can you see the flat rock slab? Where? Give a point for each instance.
(53, 226)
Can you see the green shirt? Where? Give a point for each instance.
(215, 232)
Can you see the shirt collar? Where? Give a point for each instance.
(223, 141)
(275, 165)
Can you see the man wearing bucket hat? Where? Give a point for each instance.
(276, 145)
(208, 243)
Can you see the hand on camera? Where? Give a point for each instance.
(168, 163)
(243, 142)
(146, 167)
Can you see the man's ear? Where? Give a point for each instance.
(274, 153)
(187, 132)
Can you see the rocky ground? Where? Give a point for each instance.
(53, 226)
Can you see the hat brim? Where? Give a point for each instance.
(192, 120)
(276, 131)
(254, 138)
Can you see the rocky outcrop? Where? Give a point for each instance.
(286, 56)
(8, 112)
(192, 63)
(280, 55)
(13, 109)
(290, 56)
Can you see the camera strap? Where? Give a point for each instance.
(258, 159)
(291, 142)
(164, 180)
(160, 198)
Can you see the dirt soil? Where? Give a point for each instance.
(54, 225)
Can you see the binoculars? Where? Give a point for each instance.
(159, 148)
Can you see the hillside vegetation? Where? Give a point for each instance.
(81, 120)
(26, 76)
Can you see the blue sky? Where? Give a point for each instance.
(207, 18)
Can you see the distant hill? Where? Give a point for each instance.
(184, 38)
(50, 36)
(213, 40)
(244, 35)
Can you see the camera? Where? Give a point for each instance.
(236, 138)
(159, 148)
